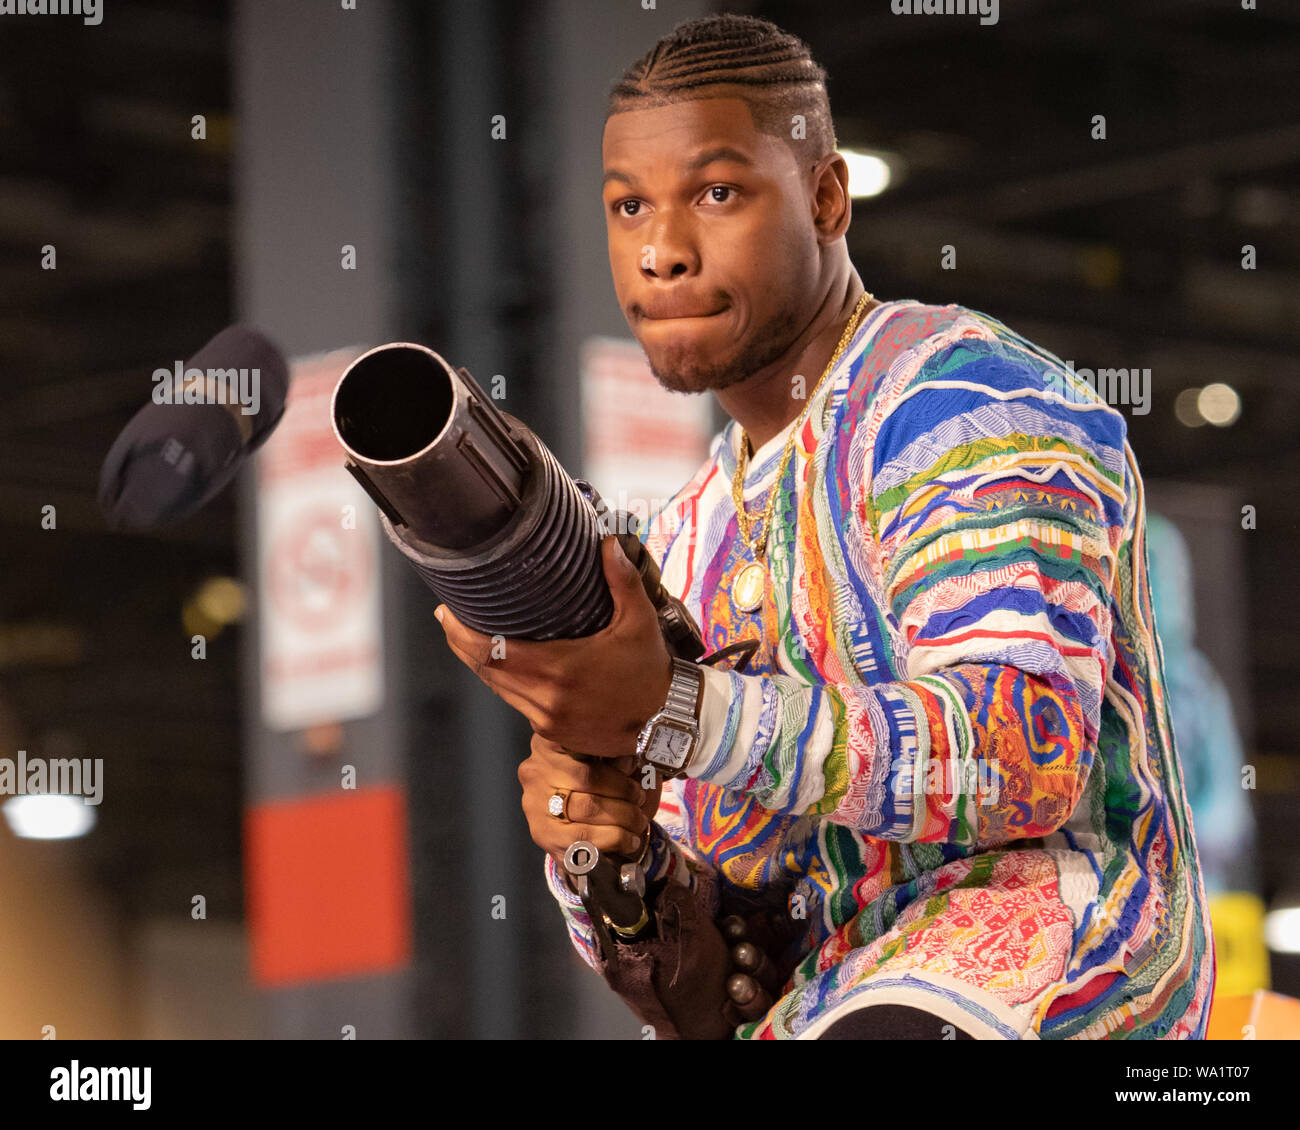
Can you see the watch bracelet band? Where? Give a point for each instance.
(684, 691)
(684, 703)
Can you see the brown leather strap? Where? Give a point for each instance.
(676, 981)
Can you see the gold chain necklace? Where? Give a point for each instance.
(751, 586)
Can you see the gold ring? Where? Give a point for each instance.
(558, 805)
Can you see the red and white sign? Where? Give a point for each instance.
(318, 541)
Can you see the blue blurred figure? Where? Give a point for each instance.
(1210, 752)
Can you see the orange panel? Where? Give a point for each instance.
(328, 886)
(1261, 1016)
(1228, 1017)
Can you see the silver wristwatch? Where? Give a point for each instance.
(669, 739)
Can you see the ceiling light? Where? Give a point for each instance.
(1185, 408)
(1219, 403)
(870, 173)
(1282, 929)
(49, 816)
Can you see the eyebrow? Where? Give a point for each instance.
(721, 153)
(707, 157)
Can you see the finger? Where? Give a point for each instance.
(585, 777)
(621, 575)
(484, 665)
(484, 668)
(588, 808)
(555, 837)
(529, 654)
(506, 684)
(645, 777)
(627, 763)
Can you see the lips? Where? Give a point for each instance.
(669, 311)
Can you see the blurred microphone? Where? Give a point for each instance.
(206, 416)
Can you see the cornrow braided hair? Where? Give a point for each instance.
(772, 70)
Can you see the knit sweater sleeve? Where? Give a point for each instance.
(991, 495)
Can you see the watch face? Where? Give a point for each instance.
(669, 746)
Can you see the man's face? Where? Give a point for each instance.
(711, 240)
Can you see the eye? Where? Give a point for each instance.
(720, 193)
(623, 205)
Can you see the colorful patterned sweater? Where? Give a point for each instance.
(951, 762)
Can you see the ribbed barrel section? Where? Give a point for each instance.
(541, 579)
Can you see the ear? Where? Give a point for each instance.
(831, 204)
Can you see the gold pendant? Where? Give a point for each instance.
(750, 587)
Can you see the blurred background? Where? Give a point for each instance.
(194, 164)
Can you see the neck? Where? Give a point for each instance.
(765, 403)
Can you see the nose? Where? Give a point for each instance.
(671, 252)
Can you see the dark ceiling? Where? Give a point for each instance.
(94, 662)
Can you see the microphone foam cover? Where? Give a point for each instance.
(171, 459)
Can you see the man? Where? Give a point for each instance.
(949, 766)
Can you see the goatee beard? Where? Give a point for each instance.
(758, 354)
